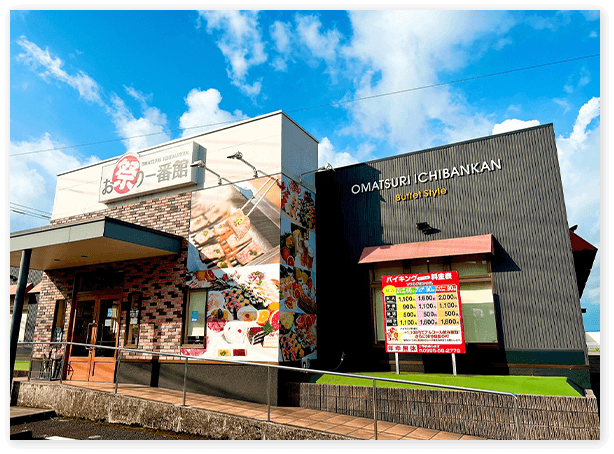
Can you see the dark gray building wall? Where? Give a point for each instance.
(522, 205)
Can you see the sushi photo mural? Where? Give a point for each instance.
(297, 275)
(251, 272)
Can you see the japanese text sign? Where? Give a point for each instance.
(423, 313)
(148, 171)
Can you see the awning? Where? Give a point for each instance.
(100, 240)
(584, 255)
(13, 288)
(482, 244)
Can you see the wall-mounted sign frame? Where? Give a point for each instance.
(144, 172)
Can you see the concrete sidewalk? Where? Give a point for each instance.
(21, 415)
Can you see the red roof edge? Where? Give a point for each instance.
(14, 288)
(481, 244)
(580, 244)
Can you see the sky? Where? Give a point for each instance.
(89, 85)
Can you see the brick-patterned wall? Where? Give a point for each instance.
(160, 279)
(469, 413)
(169, 214)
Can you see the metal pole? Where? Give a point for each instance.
(268, 393)
(30, 367)
(62, 365)
(396, 360)
(374, 410)
(119, 358)
(454, 364)
(18, 303)
(185, 379)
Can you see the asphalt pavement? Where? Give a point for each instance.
(57, 428)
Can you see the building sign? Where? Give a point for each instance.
(148, 171)
(427, 176)
(423, 313)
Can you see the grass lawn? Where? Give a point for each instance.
(545, 386)
(22, 365)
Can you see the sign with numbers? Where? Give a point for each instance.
(423, 313)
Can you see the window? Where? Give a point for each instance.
(195, 318)
(387, 269)
(427, 265)
(133, 319)
(57, 331)
(378, 300)
(470, 266)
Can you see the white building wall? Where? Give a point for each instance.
(272, 143)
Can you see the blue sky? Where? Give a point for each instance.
(93, 84)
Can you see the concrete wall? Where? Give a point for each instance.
(93, 405)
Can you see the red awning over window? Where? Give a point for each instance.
(482, 244)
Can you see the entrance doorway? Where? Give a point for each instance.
(95, 322)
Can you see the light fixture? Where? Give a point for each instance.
(425, 228)
(238, 155)
(325, 167)
(201, 165)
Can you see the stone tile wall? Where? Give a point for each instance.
(469, 413)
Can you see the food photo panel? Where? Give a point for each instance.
(241, 314)
(235, 225)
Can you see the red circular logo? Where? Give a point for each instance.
(126, 173)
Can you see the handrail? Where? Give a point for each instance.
(280, 367)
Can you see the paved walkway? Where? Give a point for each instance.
(361, 428)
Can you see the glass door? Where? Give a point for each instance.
(83, 330)
(107, 333)
(95, 323)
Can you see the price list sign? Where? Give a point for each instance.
(423, 313)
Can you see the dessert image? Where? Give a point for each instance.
(243, 316)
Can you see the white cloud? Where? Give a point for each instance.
(35, 57)
(414, 56)
(579, 155)
(327, 154)
(139, 133)
(513, 125)
(281, 34)
(322, 45)
(552, 23)
(204, 112)
(240, 41)
(33, 176)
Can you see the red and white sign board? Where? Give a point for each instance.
(423, 313)
(148, 171)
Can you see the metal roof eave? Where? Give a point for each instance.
(100, 240)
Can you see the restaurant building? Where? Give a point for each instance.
(491, 209)
(206, 247)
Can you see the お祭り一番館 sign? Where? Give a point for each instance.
(148, 171)
(423, 313)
